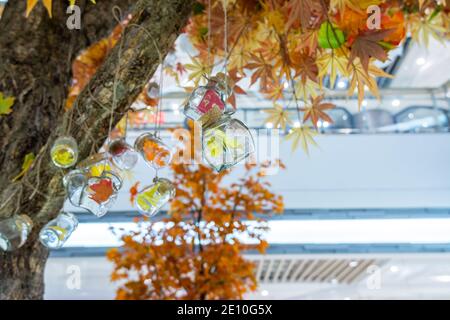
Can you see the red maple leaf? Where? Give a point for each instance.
(367, 45)
(101, 191)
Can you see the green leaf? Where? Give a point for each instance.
(5, 104)
(27, 162)
(330, 37)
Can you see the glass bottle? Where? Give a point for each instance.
(205, 102)
(122, 154)
(98, 190)
(14, 232)
(226, 143)
(64, 152)
(153, 90)
(100, 193)
(96, 164)
(56, 232)
(152, 198)
(74, 183)
(154, 151)
(220, 81)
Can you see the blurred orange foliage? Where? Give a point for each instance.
(197, 253)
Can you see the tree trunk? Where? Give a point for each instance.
(36, 56)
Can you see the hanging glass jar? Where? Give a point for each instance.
(74, 183)
(222, 83)
(100, 193)
(122, 154)
(93, 186)
(56, 232)
(64, 152)
(14, 232)
(96, 164)
(152, 198)
(154, 151)
(206, 102)
(226, 142)
(153, 90)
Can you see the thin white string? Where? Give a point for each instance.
(160, 101)
(210, 65)
(225, 3)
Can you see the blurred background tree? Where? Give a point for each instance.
(196, 252)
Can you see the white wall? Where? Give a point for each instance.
(353, 171)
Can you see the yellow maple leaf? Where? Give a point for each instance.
(304, 136)
(27, 162)
(341, 5)
(359, 79)
(332, 63)
(198, 70)
(30, 5)
(423, 28)
(306, 90)
(278, 116)
(6, 104)
(48, 5)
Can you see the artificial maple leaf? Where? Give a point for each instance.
(305, 90)
(275, 18)
(48, 6)
(27, 162)
(333, 63)
(310, 13)
(101, 191)
(278, 116)
(239, 58)
(356, 5)
(134, 192)
(422, 29)
(6, 104)
(315, 111)
(367, 45)
(330, 37)
(305, 66)
(360, 78)
(304, 136)
(72, 2)
(233, 78)
(342, 5)
(308, 41)
(32, 3)
(180, 68)
(351, 22)
(262, 70)
(198, 70)
(396, 21)
(274, 91)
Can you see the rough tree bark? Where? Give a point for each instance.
(35, 67)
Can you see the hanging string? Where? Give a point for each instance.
(117, 14)
(125, 130)
(160, 101)
(161, 63)
(225, 45)
(210, 65)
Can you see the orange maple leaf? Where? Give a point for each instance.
(134, 192)
(316, 111)
(102, 190)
